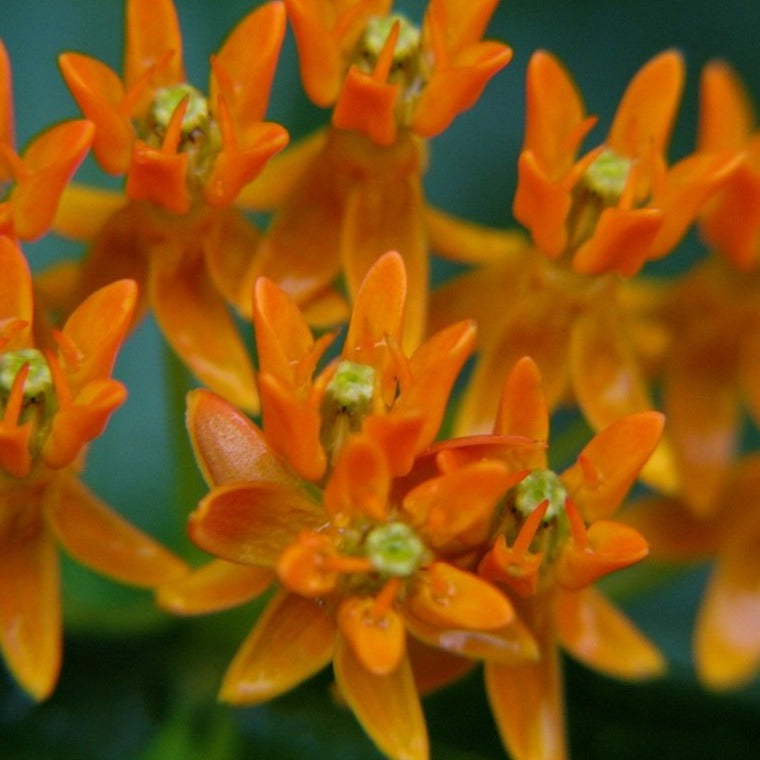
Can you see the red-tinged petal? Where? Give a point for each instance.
(367, 106)
(526, 702)
(82, 211)
(50, 161)
(510, 645)
(199, 327)
(99, 93)
(15, 291)
(378, 640)
(522, 409)
(252, 523)
(76, 424)
(608, 546)
(599, 635)
(434, 668)
(159, 177)
(448, 597)
(644, 119)
(99, 538)
(726, 115)
(292, 427)
(293, 639)
(471, 243)
(387, 706)
(622, 241)
(30, 607)
(378, 313)
(360, 482)
(727, 634)
(247, 60)
(236, 166)
(610, 463)
(450, 91)
(216, 586)
(671, 530)
(152, 30)
(7, 126)
(229, 447)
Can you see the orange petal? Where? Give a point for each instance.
(252, 523)
(227, 445)
(293, 639)
(611, 462)
(434, 668)
(82, 211)
(15, 292)
(199, 327)
(7, 126)
(216, 586)
(727, 633)
(387, 706)
(100, 539)
(522, 409)
(398, 436)
(159, 177)
(598, 634)
(30, 607)
(726, 115)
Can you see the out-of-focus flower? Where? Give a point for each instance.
(347, 194)
(31, 184)
(619, 205)
(53, 400)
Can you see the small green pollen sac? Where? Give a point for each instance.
(352, 388)
(395, 549)
(537, 487)
(608, 174)
(165, 103)
(39, 381)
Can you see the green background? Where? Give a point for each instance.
(137, 684)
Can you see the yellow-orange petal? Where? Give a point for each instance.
(387, 706)
(252, 523)
(82, 211)
(30, 606)
(445, 596)
(293, 639)
(610, 463)
(217, 585)
(199, 327)
(522, 409)
(598, 634)
(99, 538)
(378, 640)
(726, 115)
(229, 447)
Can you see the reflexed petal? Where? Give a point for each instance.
(387, 706)
(229, 447)
(30, 607)
(99, 538)
(82, 211)
(598, 634)
(251, 523)
(727, 634)
(611, 462)
(435, 668)
(293, 639)
(216, 586)
(726, 116)
(201, 330)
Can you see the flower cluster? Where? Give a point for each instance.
(407, 525)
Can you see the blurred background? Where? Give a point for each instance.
(138, 684)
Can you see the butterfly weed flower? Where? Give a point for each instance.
(54, 399)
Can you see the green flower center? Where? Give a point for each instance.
(536, 488)
(607, 175)
(395, 549)
(39, 381)
(165, 103)
(351, 388)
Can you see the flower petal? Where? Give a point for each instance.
(293, 639)
(387, 706)
(7, 126)
(252, 523)
(217, 585)
(598, 634)
(82, 211)
(435, 668)
(726, 115)
(15, 293)
(99, 538)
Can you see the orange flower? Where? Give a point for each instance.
(187, 157)
(38, 177)
(731, 221)
(347, 194)
(727, 630)
(52, 402)
(553, 540)
(619, 205)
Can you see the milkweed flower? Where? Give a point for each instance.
(32, 182)
(186, 157)
(348, 193)
(620, 204)
(53, 401)
(552, 540)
